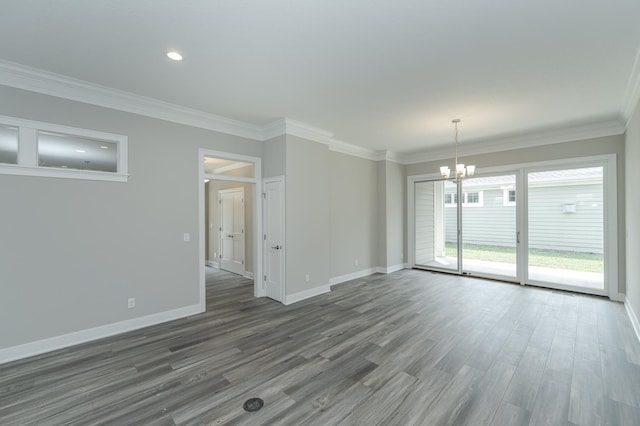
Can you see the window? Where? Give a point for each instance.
(41, 149)
(450, 199)
(509, 197)
(472, 199)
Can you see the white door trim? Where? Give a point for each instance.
(283, 261)
(258, 287)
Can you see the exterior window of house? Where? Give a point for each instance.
(451, 199)
(31, 148)
(473, 199)
(509, 197)
(469, 199)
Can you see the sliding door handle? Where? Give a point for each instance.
(518, 237)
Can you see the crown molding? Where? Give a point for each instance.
(31, 79)
(632, 92)
(48, 83)
(305, 131)
(353, 150)
(548, 137)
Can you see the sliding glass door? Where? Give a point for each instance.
(436, 225)
(552, 227)
(566, 228)
(489, 237)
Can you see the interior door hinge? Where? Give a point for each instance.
(264, 237)
(265, 277)
(264, 195)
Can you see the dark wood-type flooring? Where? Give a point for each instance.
(412, 347)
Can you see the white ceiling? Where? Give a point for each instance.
(379, 74)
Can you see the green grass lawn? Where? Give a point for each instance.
(585, 262)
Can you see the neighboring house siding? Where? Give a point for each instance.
(549, 227)
(425, 237)
(492, 224)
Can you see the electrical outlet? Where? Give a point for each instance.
(131, 303)
(186, 237)
(355, 262)
(306, 277)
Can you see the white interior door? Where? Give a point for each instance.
(232, 230)
(274, 238)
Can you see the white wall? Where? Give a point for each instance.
(73, 251)
(632, 160)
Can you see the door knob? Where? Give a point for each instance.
(276, 247)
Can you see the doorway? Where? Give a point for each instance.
(551, 224)
(235, 171)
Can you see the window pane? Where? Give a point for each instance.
(221, 166)
(8, 144)
(72, 152)
(489, 229)
(566, 227)
(436, 228)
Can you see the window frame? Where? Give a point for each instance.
(506, 201)
(27, 164)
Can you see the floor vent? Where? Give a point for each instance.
(253, 404)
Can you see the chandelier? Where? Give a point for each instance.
(461, 170)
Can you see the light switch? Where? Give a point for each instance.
(187, 237)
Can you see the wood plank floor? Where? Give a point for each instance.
(409, 348)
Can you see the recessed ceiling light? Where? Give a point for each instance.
(172, 54)
(80, 150)
(104, 147)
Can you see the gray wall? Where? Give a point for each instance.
(212, 215)
(353, 213)
(274, 157)
(396, 206)
(632, 158)
(567, 150)
(391, 213)
(74, 251)
(307, 215)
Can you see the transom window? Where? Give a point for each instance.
(33, 148)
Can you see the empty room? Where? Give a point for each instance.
(319, 212)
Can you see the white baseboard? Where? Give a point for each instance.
(633, 317)
(302, 295)
(213, 263)
(59, 342)
(389, 269)
(248, 274)
(352, 276)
